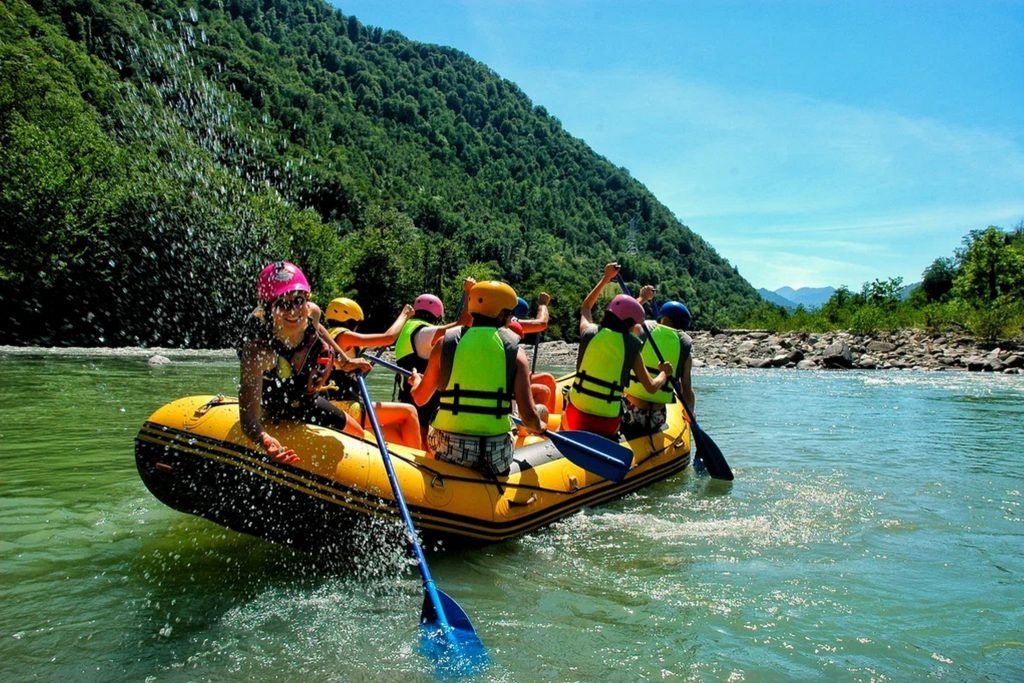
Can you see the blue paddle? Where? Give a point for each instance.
(446, 633)
(591, 452)
(707, 450)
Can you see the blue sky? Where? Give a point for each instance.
(811, 143)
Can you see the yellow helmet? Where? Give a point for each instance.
(343, 309)
(491, 297)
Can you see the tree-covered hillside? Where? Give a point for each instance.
(154, 155)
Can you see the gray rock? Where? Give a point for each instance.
(837, 355)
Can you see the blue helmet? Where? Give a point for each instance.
(521, 309)
(677, 313)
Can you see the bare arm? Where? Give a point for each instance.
(464, 317)
(342, 360)
(256, 360)
(587, 307)
(348, 339)
(684, 381)
(540, 323)
(253, 365)
(651, 384)
(524, 397)
(423, 387)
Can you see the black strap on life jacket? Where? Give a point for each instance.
(502, 400)
(582, 381)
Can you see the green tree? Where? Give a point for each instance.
(991, 267)
(937, 279)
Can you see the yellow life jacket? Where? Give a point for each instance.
(476, 395)
(602, 373)
(403, 345)
(671, 348)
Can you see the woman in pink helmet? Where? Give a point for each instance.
(286, 357)
(413, 346)
(607, 354)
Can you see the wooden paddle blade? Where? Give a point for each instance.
(456, 651)
(593, 453)
(711, 455)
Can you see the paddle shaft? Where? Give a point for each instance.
(428, 580)
(536, 345)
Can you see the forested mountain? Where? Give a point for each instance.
(154, 155)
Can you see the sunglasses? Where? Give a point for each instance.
(289, 305)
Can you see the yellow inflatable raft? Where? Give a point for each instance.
(192, 456)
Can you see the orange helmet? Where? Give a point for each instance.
(491, 297)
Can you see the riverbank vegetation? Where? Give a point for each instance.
(978, 291)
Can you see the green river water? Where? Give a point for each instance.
(874, 532)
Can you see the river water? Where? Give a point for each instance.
(874, 532)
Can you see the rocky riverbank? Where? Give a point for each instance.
(904, 349)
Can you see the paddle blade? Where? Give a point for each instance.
(456, 651)
(711, 455)
(593, 453)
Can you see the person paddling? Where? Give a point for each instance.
(398, 420)
(645, 411)
(418, 336)
(475, 372)
(286, 356)
(607, 353)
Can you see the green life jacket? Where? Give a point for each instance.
(403, 345)
(476, 395)
(602, 373)
(673, 350)
(406, 357)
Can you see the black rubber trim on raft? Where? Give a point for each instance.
(362, 502)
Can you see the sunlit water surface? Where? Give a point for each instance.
(874, 532)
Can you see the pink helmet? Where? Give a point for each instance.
(626, 308)
(429, 303)
(279, 278)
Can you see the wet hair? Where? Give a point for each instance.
(615, 323)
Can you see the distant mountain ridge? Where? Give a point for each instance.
(809, 297)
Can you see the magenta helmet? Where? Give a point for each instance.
(626, 308)
(429, 303)
(279, 278)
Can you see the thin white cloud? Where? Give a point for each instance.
(776, 169)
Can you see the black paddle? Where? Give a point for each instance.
(447, 635)
(707, 450)
(591, 452)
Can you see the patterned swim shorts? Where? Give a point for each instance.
(640, 421)
(489, 454)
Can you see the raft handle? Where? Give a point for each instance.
(437, 482)
(215, 401)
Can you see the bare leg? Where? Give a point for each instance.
(400, 419)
